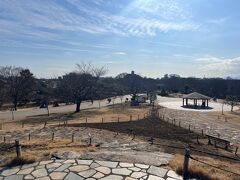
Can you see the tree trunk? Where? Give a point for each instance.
(78, 106)
(15, 107)
(231, 108)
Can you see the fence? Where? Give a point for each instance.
(187, 157)
(65, 123)
(192, 128)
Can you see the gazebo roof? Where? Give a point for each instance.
(196, 95)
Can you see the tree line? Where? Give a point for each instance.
(19, 87)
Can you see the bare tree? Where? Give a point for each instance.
(232, 101)
(79, 85)
(19, 84)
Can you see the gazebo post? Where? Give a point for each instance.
(207, 102)
(183, 102)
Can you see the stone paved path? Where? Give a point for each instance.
(79, 169)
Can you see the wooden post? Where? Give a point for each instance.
(189, 128)
(90, 141)
(18, 148)
(52, 136)
(86, 120)
(45, 124)
(118, 119)
(236, 150)
(130, 117)
(72, 137)
(138, 116)
(133, 134)
(179, 123)
(185, 164)
(4, 139)
(163, 117)
(102, 120)
(202, 132)
(29, 136)
(22, 124)
(48, 110)
(197, 140)
(12, 115)
(1, 126)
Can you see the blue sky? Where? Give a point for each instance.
(153, 37)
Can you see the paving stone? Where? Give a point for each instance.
(63, 167)
(169, 178)
(28, 177)
(174, 175)
(157, 171)
(145, 177)
(43, 178)
(84, 162)
(122, 171)
(138, 174)
(142, 166)
(104, 170)
(40, 167)
(126, 165)
(51, 170)
(29, 165)
(66, 170)
(39, 173)
(90, 179)
(143, 170)
(94, 165)
(14, 177)
(53, 165)
(9, 172)
(130, 178)
(151, 177)
(58, 175)
(26, 171)
(70, 161)
(98, 175)
(59, 160)
(79, 168)
(45, 162)
(87, 173)
(112, 177)
(136, 169)
(73, 176)
(108, 163)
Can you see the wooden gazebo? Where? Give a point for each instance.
(195, 97)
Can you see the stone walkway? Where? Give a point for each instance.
(78, 169)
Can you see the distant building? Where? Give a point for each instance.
(141, 98)
(132, 72)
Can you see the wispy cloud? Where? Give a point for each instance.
(219, 21)
(52, 17)
(120, 53)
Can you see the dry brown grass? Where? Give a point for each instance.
(37, 149)
(201, 171)
(24, 159)
(109, 114)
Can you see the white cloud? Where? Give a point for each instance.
(219, 21)
(219, 66)
(52, 16)
(120, 53)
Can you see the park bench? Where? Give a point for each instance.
(218, 140)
